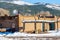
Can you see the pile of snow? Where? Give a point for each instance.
(52, 31)
(16, 34)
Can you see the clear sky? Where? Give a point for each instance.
(45, 1)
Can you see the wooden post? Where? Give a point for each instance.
(43, 26)
(23, 26)
(35, 26)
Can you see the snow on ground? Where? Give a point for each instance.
(18, 34)
(50, 34)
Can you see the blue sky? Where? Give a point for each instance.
(46, 1)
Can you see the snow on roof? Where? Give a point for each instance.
(39, 21)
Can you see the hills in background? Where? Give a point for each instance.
(31, 9)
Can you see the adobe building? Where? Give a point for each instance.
(30, 24)
(8, 22)
(37, 24)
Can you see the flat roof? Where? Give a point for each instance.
(38, 21)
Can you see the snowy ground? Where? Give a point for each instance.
(50, 33)
(17, 35)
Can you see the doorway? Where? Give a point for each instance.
(52, 26)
